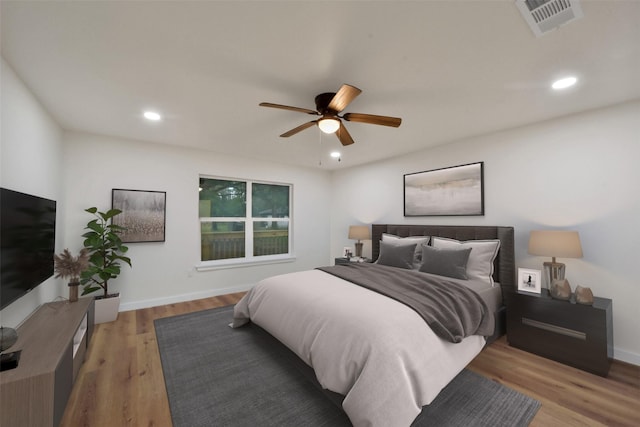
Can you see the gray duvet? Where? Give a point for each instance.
(453, 311)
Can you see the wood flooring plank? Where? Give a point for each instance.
(152, 405)
(121, 382)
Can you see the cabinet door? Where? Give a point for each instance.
(63, 384)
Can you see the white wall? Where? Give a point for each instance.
(164, 272)
(579, 172)
(30, 156)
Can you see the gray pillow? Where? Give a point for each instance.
(418, 240)
(400, 256)
(445, 262)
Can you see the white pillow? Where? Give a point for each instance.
(483, 253)
(417, 240)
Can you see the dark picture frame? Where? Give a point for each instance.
(143, 214)
(450, 191)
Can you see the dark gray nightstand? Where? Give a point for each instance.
(570, 333)
(343, 260)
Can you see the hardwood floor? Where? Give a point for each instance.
(569, 396)
(121, 382)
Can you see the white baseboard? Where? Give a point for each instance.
(135, 305)
(626, 356)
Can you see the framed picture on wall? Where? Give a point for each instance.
(143, 214)
(457, 190)
(529, 280)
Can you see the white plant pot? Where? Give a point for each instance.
(107, 309)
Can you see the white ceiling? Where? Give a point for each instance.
(450, 69)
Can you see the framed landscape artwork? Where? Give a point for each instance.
(457, 190)
(143, 214)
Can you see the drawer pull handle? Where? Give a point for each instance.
(553, 328)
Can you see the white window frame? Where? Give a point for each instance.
(249, 220)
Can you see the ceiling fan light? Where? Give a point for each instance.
(329, 125)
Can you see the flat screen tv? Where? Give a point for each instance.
(27, 243)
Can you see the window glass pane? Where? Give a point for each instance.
(222, 240)
(270, 237)
(270, 200)
(222, 198)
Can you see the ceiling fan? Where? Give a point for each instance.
(329, 106)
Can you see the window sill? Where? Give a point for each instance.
(235, 263)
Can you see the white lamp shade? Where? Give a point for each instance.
(555, 243)
(329, 125)
(359, 232)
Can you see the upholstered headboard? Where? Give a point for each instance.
(504, 271)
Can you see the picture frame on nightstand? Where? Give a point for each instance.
(529, 280)
(346, 252)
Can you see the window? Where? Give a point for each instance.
(243, 220)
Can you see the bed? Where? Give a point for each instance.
(383, 349)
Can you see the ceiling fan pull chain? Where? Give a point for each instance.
(319, 147)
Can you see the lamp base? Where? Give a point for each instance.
(553, 271)
(359, 249)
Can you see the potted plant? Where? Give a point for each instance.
(106, 252)
(68, 266)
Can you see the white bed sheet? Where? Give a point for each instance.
(377, 352)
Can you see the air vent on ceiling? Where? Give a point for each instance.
(546, 15)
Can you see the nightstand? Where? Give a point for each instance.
(577, 335)
(343, 260)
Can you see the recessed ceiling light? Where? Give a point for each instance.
(335, 154)
(152, 115)
(564, 83)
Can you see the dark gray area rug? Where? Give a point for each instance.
(219, 376)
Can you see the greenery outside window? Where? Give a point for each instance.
(243, 221)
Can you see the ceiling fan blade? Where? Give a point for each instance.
(343, 97)
(299, 128)
(344, 136)
(373, 119)
(287, 107)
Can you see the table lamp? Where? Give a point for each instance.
(555, 243)
(359, 232)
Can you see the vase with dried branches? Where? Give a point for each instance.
(69, 267)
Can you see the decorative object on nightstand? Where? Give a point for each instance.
(359, 232)
(555, 243)
(343, 260)
(584, 295)
(529, 280)
(560, 289)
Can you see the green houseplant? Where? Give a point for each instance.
(106, 252)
